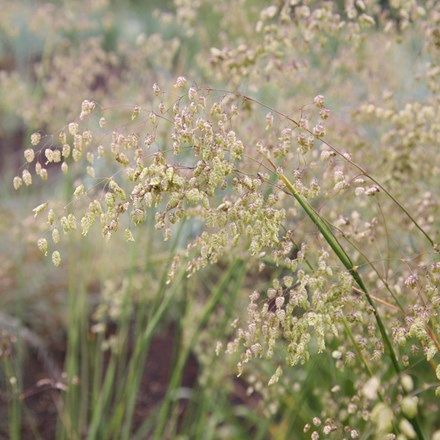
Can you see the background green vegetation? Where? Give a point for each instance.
(153, 372)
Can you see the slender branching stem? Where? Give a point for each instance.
(333, 242)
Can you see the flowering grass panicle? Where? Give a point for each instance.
(297, 155)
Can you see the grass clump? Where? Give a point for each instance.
(222, 269)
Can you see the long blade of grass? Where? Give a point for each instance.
(346, 261)
(234, 270)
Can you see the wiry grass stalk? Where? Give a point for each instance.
(113, 409)
(333, 242)
(14, 404)
(429, 328)
(234, 272)
(362, 170)
(143, 339)
(351, 337)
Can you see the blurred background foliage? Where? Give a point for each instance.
(103, 348)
